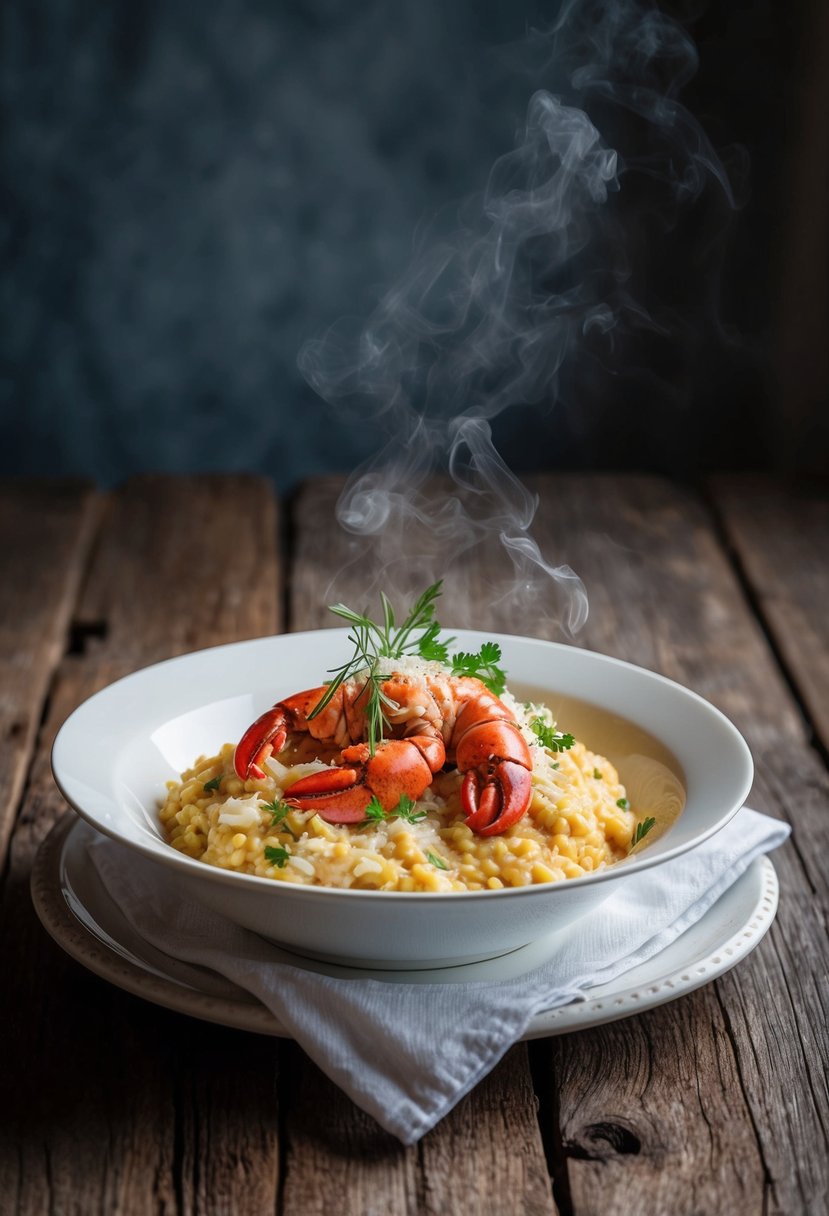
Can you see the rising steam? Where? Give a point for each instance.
(490, 310)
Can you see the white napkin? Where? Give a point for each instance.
(407, 1053)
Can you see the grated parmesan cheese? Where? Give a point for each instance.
(241, 812)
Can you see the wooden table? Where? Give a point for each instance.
(716, 1103)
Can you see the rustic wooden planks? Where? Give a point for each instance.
(716, 1103)
(710, 1070)
(109, 1093)
(780, 538)
(45, 529)
(487, 1155)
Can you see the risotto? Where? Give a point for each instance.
(578, 821)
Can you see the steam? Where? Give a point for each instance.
(530, 274)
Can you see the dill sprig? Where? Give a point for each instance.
(375, 641)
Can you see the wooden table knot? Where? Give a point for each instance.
(600, 1141)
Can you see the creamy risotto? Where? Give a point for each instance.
(578, 821)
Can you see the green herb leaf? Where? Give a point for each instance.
(642, 830)
(213, 784)
(279, 810)
(436, 861)
(405, 810)
(482, 666)
(429, 648)
(277, 856)
(374, 811)
(388, 615)
(554, 740)
(623, 804)
(597, 775)
(420, 618)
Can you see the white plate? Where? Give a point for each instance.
(77, 911)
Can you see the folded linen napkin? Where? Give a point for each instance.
(370, 1035)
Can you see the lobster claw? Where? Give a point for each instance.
(497, 802)
(267, 734)
(337, 794)
(398, 766)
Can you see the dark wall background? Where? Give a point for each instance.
(192, 190)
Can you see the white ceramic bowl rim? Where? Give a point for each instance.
(92, 741)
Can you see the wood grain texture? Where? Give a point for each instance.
(336, 1158)
(653, 1116)
(663, 595)
(487, 1155)
(113, 1108)
(45, 529)
(780, 536)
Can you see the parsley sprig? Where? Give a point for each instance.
(554, 740)
(483, 666)
(641, 830)
(375, 641)
(404, 810)
(213, 783)
(279, 811)
(277, 855)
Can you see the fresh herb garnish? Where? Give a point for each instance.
(483, 666)
(436, 861)
(554, 740)
(418, 635)
(597, 774)
(277, 856)
(374, 811)
(642, 830)
(279, 810)
(623, 804)
(213, 783)
(430, 648)
(403, 810)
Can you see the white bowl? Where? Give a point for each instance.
(113, 755)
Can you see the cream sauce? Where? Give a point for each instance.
(651, 774)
